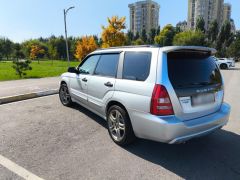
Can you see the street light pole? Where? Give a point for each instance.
(66, 38)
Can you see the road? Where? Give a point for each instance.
(56, 142)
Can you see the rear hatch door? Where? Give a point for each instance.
(196, 81)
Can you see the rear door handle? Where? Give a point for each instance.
(84, 79)
(108, 84)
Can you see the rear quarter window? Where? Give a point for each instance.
(136, 65)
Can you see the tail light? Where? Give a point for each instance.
(161, 104)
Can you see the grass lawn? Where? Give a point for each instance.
(44, 69)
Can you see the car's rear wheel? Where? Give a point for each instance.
(64, 95)
(223, 66)
(119, 126)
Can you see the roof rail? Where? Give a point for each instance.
(135, 46)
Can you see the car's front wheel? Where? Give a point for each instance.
(64, 95)
(119, 126)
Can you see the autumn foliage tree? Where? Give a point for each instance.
(85, 46)
(36, 52)
(113, 35)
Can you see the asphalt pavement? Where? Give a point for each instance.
(52, 142)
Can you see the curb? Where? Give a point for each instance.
(10, 99)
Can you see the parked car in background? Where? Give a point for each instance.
(225, 63)
(169, 94)
(236, 59)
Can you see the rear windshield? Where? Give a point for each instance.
(192, 70)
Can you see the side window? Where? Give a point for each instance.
(107, 65)
(89, 65)
(136, 65)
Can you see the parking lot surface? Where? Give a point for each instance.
(55, 142)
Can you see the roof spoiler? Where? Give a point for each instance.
(169, 49)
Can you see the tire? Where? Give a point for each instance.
(223, 66)
(64, 95)
(119, 126)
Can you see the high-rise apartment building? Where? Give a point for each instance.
(209, 10)
(227, 10)
(144, 15)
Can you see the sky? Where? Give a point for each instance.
(25, 19)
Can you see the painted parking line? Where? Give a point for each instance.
(20, 171)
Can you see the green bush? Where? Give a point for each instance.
(189, 38)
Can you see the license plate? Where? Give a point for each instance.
(203, 99)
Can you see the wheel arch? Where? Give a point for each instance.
(63, 82)
(223, 64)
(114, 102)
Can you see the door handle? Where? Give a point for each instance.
(84, 79)
(108, 84)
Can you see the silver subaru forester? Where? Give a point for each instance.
(169, 94)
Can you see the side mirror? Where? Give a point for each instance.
(73, 70)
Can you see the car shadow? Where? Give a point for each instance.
(216, 156)
(90, 114)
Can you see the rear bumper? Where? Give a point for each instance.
(172, 130)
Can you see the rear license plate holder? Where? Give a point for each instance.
(203, 99)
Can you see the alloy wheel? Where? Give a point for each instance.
(64, 95)
(116, 125)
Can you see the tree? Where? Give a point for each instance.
(6, 47)
(129, 37)
(189, 38)
(224, 40)
(61, 47)
(152, 35)
(27, 48)
(233, 50)
(97, 40)
(213, 31)
(36, 52)
(17, 53)
(1, 49)
(52, 49)
(165, 38)
(20, 66)
(84, 47)
(144, 36)
(139, 41)
(113, 35)
(200, 24)
(137, 36)
(158, 30)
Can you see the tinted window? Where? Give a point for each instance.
(89, 65)
(136, 65)
(187, 71)
(107, 65)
